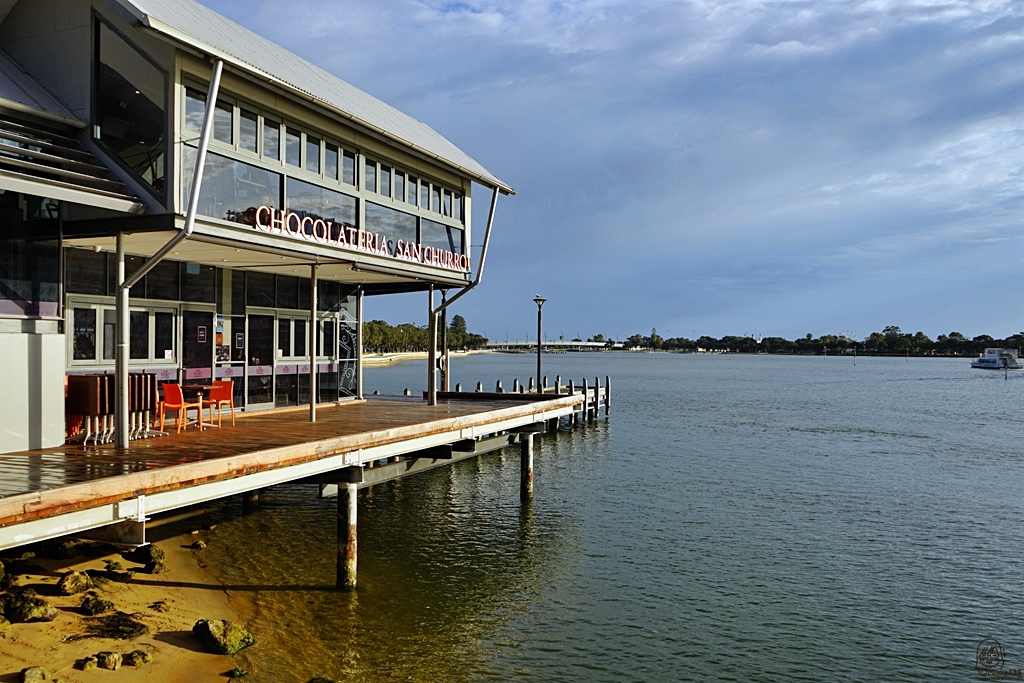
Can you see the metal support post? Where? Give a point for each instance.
(359, 343)
(314, 339)
(431, 349)
(347, 550)
(121, 433)
(525, 466)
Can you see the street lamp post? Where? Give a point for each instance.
(540, 302)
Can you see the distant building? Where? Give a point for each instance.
(102, 105)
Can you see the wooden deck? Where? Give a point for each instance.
(56, 491)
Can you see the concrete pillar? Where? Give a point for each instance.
(525, 466)
(347, 555)
(314, 337)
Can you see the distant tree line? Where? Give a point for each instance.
(890, 341)
(380, 337)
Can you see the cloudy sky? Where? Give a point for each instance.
(703, 167)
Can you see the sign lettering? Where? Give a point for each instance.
(281, 222)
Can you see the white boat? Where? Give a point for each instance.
(997, 359)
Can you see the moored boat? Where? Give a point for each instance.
(997, 359)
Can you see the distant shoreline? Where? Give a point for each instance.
(388, 358)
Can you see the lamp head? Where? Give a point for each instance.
(539, 301)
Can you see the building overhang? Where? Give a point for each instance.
(244, 248)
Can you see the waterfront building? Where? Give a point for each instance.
(313, 195)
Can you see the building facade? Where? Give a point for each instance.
(311, 191)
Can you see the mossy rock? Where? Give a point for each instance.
(145, 554)
(109, 660)
(72, 583)
(318, 679)
(93, 605)
(26, 607)
(222, 636)
(236, 673)
(137, 658)
(155, 567)
(86, 663)
(35, 674)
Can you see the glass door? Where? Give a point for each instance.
(197, 336)
(260, 353)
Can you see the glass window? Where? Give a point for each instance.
(440, 236)
(198, 283)
(328, 297)
(130, 106)
(348, 168)
(446, 208)
(131, 264)
(330, 161)
(231, 190)
(29, 255)
(84, 343)
(435, 199)
(412, 190)
(328, 347)
(284, 337)
(311, 200)
(385, 181)
(85, 271)
(287, 292)
(162, 281)
(259, 289)
(163, 337)
(399, 186)
(292, 145)
(138, 332)
(300, 338)
(271, 139)
(109, 336)
(195, 110)
(370, 176)
(424, 195)
(247, 122)
(304, 293)
(237, 340)
(457, 206)
(312, 154)
(222, 122)
(395, 225)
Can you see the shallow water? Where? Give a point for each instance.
(737, 518)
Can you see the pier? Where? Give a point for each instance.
(110, 493)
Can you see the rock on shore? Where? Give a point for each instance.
(222, 636)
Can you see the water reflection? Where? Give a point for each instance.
(446, 559)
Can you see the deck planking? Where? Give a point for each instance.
(43, 483)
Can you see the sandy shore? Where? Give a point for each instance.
(169, 603)
(384, 358)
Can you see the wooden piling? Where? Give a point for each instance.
(498, 388)
(531, 384)
(597, 396)
(251, 500)
(480, 387)
(458, 387)
(515, 386)
(525, 466)
(407, 392)
(572, 392)
(558, 384)
(586, 402)
(347, 534)
(607, 395)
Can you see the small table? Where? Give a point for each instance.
(199, 389)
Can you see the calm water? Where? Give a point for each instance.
(737, 518)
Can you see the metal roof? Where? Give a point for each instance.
(203, 29)
(20, 92)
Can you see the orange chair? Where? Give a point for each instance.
(174, 400)
(222, 393)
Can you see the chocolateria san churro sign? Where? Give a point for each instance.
(323, 231)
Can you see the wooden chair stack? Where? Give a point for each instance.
(93, 398)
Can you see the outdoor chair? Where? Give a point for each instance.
(174, 400)
(222, 393)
